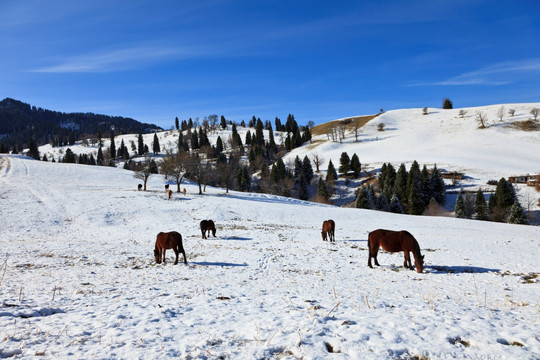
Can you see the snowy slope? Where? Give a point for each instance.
(78, 279)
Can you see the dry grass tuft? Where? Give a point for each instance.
(527, 125)
(351, 122)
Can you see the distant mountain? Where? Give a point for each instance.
(19, 122)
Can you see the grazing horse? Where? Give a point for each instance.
(169, 240)
(139, 187)
(169, 193)
(185, 191)
(208, 225)
(395, 241)
(328, 228)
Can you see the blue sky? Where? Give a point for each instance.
(319, 60)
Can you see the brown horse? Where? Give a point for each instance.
(208, 225)
(328, 228)
(395, 241)
(169, 240)
(185, 191)
(169, 193)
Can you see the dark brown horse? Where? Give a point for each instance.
(169, 240)
(395, 241)
(328, 227)
(207, 226)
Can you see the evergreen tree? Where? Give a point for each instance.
(259, 133)
(364, 199)
(303, 193)
(307, 170)
(247, 141)
(140, 144)
(194, 140)
(322, 190)
(344, 163)
(112, 148)
(395, 205)
(70, 157)
(517, 215)
(416, 198)
(99, 136)
(426, 185)
(33, 150)
(356, 167)
(44, 158)
(480, 206)
(382, 203)
(155, 145)
(331, 174)
(460, 207)
(223, 122)
(297, 169)
(401, 184)
(447, 104)
(146, 150)
(272, 147)
(99, 160)
(153, 167)
(219, 145)
(438, 189)
(176, 123)
(91, 160)
(505, 194)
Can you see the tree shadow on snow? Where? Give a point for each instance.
(435, 269)
(354, 240)
(207, 263)
(236, 238)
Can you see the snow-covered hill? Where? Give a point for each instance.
(78, 279)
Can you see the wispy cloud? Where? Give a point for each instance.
(496, 74)
(126, 58)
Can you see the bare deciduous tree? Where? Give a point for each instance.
(318, 161)
(511, 112)
(534, 112)
(425, 111)
(356, 130)
(500, 113)
(174, 165)
(381, 126)
(481, 117)
(462, 113)
(144, 172)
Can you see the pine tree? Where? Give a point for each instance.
(505, 194)
(70, 157)
(517, 215)
(416, 198)
(33, 150)
(356, 166)
(112, 148)
(223, 122)
(460, 207)
(438, 188)
(176, 123)
(307, 170)
(140, 144)
(99, 160)
(194, 140)
(322, 190)
(344, 163)
(401, 184)
(44, 158)
(331, 174)
(395, 205)
(155, 145)
(364, 200)
(259, 133)
(382, 203)
(480, 206)
(219, 145)
(447, 104)
(247, 140)
(303, 193)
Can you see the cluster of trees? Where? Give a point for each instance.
(19, 122)
(503, 205)
(403, 191)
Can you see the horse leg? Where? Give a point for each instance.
(203, 234)
(163, 252)
(332, 235)
(184, 253)
(176, 252)
(407, 262)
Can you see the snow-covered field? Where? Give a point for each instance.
(78, 278)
